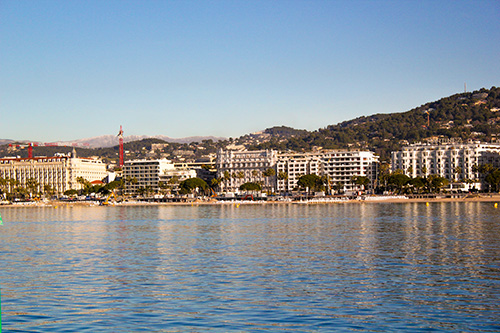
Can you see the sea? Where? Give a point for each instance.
(362, 267)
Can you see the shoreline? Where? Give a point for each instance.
(318, 201)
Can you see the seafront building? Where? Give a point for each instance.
(338, 166)
(291, 166)
(454, 161)
(60, 173)
(238, 167)
(149, 174)
(341, 166)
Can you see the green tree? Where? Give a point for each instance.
(115, 184)
(3, 185)
(85, 185)
(418, 183)
(255, 174)
(192, 184)
(493, 179)
(383, 174)
(71, 192)
(397, 181)
(338, 187)
(423, 171)
(215, 182)
(227, 177)
(250, 187)
(32, 186)
(282, 175)
(458, 171)
(437, 182)
(47, 189)
(270, 172)
(361, 181)
(311, 182)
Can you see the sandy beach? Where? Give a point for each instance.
(495, 197)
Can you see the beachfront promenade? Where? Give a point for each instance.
(486, 197)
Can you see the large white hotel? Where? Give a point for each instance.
(58, 172)
(446, 159)
(244, 167)
(338, 165)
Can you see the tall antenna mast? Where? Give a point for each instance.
(465, 87)
(120, 137)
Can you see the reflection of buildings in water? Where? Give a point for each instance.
(445, 238)
(415, 247)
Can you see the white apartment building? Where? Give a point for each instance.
(340, 166)
(293, 166)
(337, 165)
(58, 172)
(445, 159)
(142, 174)
(245, 167)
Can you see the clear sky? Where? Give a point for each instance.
(78, 69)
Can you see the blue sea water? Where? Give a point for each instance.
(372, 267)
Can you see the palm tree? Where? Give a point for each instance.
(3, 184)
(226, 177)
(32, 186)
(339, 186)
(270, 172)
(283, 175)
(49, 190)
(255, 174)
(424, 171)
(410, 171)
(240, 175)
(86, 186)
(362, 181)
(458, 171)
(215, 183)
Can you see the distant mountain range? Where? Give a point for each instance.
(105, 141)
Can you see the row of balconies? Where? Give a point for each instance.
(243, 165)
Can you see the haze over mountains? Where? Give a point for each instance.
(105, 141)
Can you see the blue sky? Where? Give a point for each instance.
(78, 69)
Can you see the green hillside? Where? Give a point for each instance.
(472, 115)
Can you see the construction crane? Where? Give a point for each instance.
(120, 138)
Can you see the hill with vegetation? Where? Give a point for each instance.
(471, 115)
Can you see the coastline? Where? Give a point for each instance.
(495, 197)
